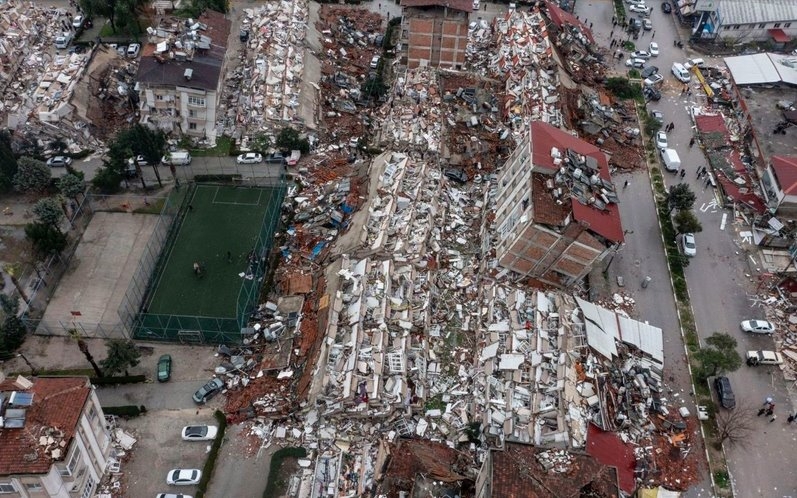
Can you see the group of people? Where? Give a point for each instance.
(769, 410)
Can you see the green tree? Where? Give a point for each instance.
(623, 88)
(31, 176)
(122, 355)
(12, 328)
(48, 211)
(71, 186)
(681, 197)
(719, 356)
(687, 222)
(107, 180)
(374, 87)
(289, 139)
(8, 162)
(261, 143)
(46, 239)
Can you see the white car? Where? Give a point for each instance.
(688, 245)
(133, 50)
(172, 495)
(653, 80)
(199, 432)
(639, 9)
(640, 54)
(653, 49)
(661, 140)
(758, 326)
(59, 161)
(183, 477)
(647, 25)
(250, 158)
(755, 358)
(77, 22)
(637, 63)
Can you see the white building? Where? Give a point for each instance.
(742, 21)
(53, 440)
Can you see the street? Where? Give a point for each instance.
(721, 277)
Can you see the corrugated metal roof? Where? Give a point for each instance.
(601, 328)
(755, 69)
(760, 11)
(645, 337)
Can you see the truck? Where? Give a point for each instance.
(670, 159)
(755, 358)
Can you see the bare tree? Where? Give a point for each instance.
(735, 426)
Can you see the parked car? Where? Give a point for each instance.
(209, 390)
(694, 62)
(758, 327)
(651, 93)
(640, 9)
(647, 25)
(172, 495)
(635, 63)
(77, 22)
(375, 62)
(681, 73)
(653, 80)
(640, 54)
(657, 115)
(250, 158)
(140, 159)
(59, 161)
(164, 368)
(133, 50)
(457, 175)
(666, 7)
(661, 139)
(199, 432)
(183, 477)
(755, 358)
(649, 71)
(62, 41)
(653, 48)
(725, 393)
(688, 245)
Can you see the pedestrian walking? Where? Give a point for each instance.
(791, 418)
(705, 183)
(691, 142)
(773, 418)
(769, 411)
(625, 185)
(761, 411)
(590, 25)
(683, 173)
(672, 126)
(653, 35)
(229, 257)
(674, 43)
(614, 23)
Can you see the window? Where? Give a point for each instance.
(191, 113)
(762, 25)
(7, 487)
(196, 101)
(787, 25)
(776, 25)
(71, 463)
(33, 487)
(736, 26)
(88, 488)
(158, 97)
(192, 126)
(93, 415)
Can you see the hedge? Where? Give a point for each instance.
(128, 411)
(276, 464)
(122, 379)
(216, 178)
(210, 463)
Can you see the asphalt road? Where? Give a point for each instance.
(721, 278)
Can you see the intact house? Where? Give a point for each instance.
(557, 215)
(742, 21)
(779, 183)
(435, 32)
(53, 438)
(180, 76)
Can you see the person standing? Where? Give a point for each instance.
(691, 142)
(683, 173)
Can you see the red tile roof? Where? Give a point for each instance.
(518, 474)
(413, 456)
(609, 449)
(785, 168)
(713, 123)
(560, 17)
(463, 5)
(544, 137)
(57, 403)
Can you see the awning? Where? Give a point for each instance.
(778, 36)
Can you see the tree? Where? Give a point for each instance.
(137, 140)
(84, 348)
(623, 88)
(8, 162)
(122, 355)
(687, 222)
(289, 139)
(48, 211)
(12, 269)
(107, 180)
(735, 426)
(31, 176)
(71, 186)
(12, 328)
(719, 356)
(261, 143)
(374, 86)
(46, 239)
(681, 197)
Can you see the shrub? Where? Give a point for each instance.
(210, 463)
(122, 379)
(216, 178)
(276, 464)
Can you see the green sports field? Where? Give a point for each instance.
(218, 220)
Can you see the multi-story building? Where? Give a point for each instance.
(53, 439)
(435, 32)
(180, 76)
(741, 21)
(557, 214)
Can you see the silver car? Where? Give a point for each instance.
(758, 327)
(688, 245)
(250, 158)
(183, 477)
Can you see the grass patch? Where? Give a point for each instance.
(276, 465)
(629, 46)
(153, 208)
(213, 455)
(107, 30)
(722, 478)
(619, 11)
(223, 148)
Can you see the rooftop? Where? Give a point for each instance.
(761, 11)
(411, 457)
(180, 46)
(561, 17)
(463, 5)
(524, 471)
(761, 103)
(786, 170)
(51, 419)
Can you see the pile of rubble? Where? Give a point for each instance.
(114, 483)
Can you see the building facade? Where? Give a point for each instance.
(557, 214)
(742, 21)
(53, 438)
(180, 76)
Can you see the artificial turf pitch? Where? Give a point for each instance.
(218, 219)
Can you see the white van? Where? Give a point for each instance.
(63, 40)
(670, 159)
(694, 62)
(681, 73)
(177, 158)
